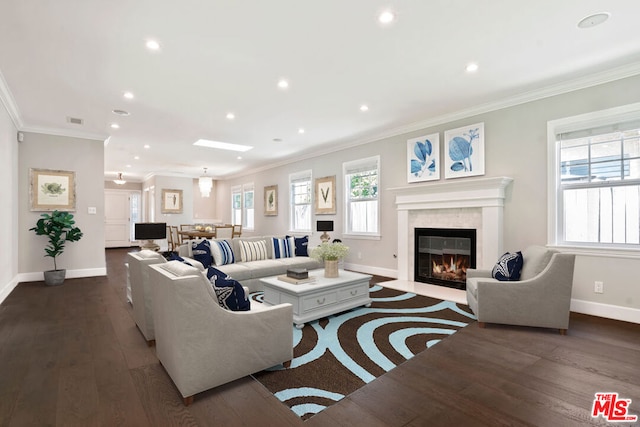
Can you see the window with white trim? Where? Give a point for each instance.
(597, 179)
(362, 207)
(236, 205)
(248, 209)
(300, 201)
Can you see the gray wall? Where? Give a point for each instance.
(9, 209)
(85, 157)
(515, 146)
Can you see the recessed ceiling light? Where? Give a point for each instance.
(277, 140)
(471, 67)
(147, 146)
(386, 17)
(593, 20)
(301, 130)
(222, 145)
(120, 112)
(364, 107)
(231, 116)
(115, 126)
(136, 157)
(152, 45)
(283, 84)
(128, 166)
(128, 95)
(239, 157)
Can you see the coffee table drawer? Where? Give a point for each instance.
(357, 291)
(319, 300)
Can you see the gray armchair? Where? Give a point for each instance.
(540, 298)
(200, 344)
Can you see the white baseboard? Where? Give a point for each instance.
(6, 290)
(616, 312)
(367, 269)
(71, 274)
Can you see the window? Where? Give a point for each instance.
(597, 179)
(236, 205)
(248, 216)
(300, 197)
(361, 179)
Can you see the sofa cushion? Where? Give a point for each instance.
(301, 245)
(267, 267)
(179, 268)
(201, 251)
(239, 271)
(222, 252)
(508, 267)
(230, 292)
(253, 251)
(534, 260)
(283, 248)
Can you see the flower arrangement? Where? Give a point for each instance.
(330, 251)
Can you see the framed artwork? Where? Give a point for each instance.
(464, 154)
(423, 158)
(51, 190)
(326, 195)
(271, 200)
(171, 201)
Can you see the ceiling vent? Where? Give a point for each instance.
(75, 120)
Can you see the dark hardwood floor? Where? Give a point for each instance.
(72, 355)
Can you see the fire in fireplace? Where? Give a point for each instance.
(443, 255)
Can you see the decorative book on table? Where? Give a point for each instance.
(298, 273)
(295, 281)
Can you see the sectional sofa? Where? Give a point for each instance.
(273, 262)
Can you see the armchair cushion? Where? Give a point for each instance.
(535, 259)
(230, 293)
(508, 267)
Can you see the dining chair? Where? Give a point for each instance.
(237, 230)
(177, 238)
(224, 232)
(170, 241)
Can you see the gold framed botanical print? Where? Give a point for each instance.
(271, 200)
(171, 201)
(326, 195)
(51, 190)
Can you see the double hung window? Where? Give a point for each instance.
(300, 201)
(361, 178)
(242, 206)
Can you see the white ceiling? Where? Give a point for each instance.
(69, 58)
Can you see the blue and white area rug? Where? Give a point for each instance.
(336, 355)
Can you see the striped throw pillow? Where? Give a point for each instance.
(283, 248)
(222, 253)
(253, 251)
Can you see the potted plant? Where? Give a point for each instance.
(330, 253)
(60, 228)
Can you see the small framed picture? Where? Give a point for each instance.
(271, 200)
(51, 190)
(326, 195)
(171, 201)
(423, 158)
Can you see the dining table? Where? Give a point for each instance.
(197, 234)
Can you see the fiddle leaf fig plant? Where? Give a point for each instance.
(60, 228)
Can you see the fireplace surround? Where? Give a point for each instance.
(458, 203)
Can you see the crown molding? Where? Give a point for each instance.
(9, 103)
(65, 132)
(584, 82)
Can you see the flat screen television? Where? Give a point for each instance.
(150, 230)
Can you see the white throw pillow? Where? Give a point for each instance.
(253, 251)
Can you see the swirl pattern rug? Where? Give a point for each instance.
(336, 355)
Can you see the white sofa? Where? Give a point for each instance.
(250, 273)
(141, 289)
(200, 344)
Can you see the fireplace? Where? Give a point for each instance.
(442, 255)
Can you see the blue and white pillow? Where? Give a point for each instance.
(201, 251)
(283, 248)
(508, 267)
(301, 245)
(222, 252)
(175, 257)
(230, 293)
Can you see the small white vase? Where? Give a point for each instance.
(330, 268)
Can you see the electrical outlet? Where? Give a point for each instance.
(598, 287)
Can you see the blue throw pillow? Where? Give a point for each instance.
(508, 267)
(301, 245)
(201, 250)
(230, 292)
(283, 248)
(175, 257)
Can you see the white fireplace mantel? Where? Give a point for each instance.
(488, 194)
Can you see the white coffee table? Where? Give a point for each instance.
(321, 298)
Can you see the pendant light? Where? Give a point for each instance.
(205, 183)
(120, 181)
